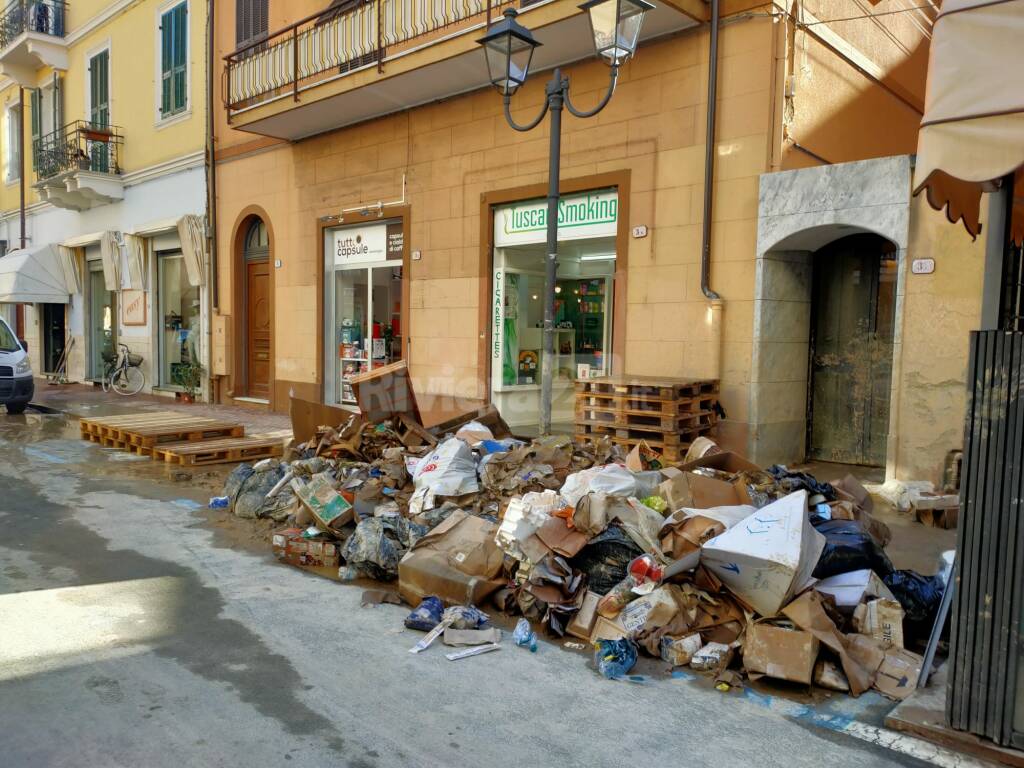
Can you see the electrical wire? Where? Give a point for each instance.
(865, 16)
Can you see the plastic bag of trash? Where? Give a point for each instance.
(448, 470)
(613, 479)
(234, 481)
(465, 617)
(378, 543)
(605, 558)
(614, 658)
(919, 595)
(525, 637)
(251, 500)
(426, 615)
(848, 547)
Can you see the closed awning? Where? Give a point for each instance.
(972, 133)
(31, 275)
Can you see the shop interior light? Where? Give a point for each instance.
(597, 257)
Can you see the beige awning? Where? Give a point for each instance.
(33, 275)
(972, 133)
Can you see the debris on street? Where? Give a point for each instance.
(712, 563)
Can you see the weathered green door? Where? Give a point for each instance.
(852, 320)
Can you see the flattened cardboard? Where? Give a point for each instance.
(386, 392)
(897, 676)
(559, 538)
(582, 624)
(471, 636)
(779, 652)
(457, 561)
(307, 415)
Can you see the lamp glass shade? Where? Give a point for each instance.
(508, 47)
(615, 25)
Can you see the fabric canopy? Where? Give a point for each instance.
(31, 275)
(972, 133)
(190, 232)
(110, 254)
(136, 248)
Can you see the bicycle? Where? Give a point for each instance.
(123, 373)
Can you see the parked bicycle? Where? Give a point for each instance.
(123, 373)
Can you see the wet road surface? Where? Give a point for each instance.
(131, 634)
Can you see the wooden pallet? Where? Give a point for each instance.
(223, 451)
(177, 430)
(612, 417)
(647, 388)
(595, 431)
(100, 426)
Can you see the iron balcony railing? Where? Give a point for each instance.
(334, 42)
(78, 146)
(43, 16)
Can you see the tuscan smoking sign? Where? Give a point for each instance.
(580, 216)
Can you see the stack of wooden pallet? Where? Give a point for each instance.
(667, 414)
(178, 438)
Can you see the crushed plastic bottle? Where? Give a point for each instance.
(614, 658)
(524, 636)
(219, 502)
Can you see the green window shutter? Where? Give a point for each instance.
(37, 113)
(58, 102)
(173, 60)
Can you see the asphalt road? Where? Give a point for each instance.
(133, 634)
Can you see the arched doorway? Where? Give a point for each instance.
(256, 310)
(853, 311)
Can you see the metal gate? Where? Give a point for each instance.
(985, 649)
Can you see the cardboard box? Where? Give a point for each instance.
(327, 506)
(770, 556)
(582, 624)
(649, 611)
(457, 561)
(780, 652)
(881, 619)
(607, 629)
(898, 674)
(321, 556)
(853, 588)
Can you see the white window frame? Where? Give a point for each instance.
(159, 121)
(88, 57)
(12, 171)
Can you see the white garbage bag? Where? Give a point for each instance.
(613, 479)
(448, 470)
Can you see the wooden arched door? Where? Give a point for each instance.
(256, 257)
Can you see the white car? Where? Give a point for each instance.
(16, 384)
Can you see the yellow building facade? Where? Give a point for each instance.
(107, 186)
(374, 204)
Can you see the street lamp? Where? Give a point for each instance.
(508, 48)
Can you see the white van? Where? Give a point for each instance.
(16, 385)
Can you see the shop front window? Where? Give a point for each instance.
(583, 304)
(179, 316)
(363, 303)
(102, 322)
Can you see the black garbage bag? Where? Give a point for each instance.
(236, 479)
(251, 500)
(795, 481)
(605, 558)
(919, 595)
(848, 547)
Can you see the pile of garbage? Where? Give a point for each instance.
(716, 563)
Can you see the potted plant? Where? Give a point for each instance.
(191, 377)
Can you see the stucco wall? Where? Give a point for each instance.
(454, 152)
(938, 311)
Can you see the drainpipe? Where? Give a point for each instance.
(21, 161)
(714, 313)
(212, 290)
(709, 156)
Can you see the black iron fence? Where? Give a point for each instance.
(334, 42)
(43, 16)
(986, 657)
(78, 146)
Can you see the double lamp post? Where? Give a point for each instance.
(509, 47)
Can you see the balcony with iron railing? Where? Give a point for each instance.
(31, 37)
(312, 75)
(78, 166)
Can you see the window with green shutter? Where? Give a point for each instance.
(174, 61)
(99, 89)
